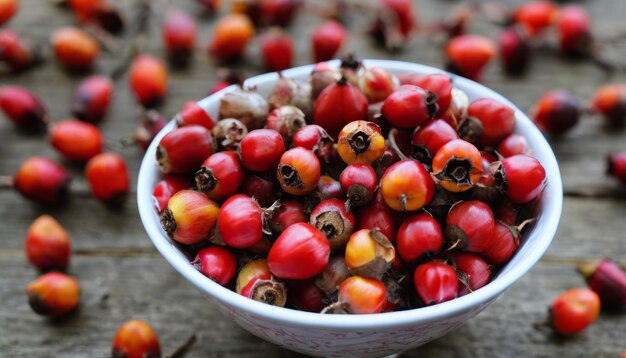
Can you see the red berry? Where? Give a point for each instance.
(229, 132)
(574, 30)
(108, 178)
(86, 9)
(512, 145)
(286, 120)
(369, 253)
(183, 150)
(220, 176)
(536, 16)
(394, 23)
(458, 166)
(306, 296)
(226, 78)
(166, 188)
(475, 272)
(521, 177)
(470, 225)
(327, 39)
(47, 244)
(329, 188)
(136, 339)
(74, 48)
(192, 114)
(339, 104)
(278, 12)
(610, 102)
(377, 84)
(231, 34)
(488, 122)
(441, 85)
(255, 281)
(23, 108)
(469, 54)
(298, 171)
(190, 217)
(505, 241)
(315, 138)
(616, 165)
(359, 182)
(277, 50)
(216, 263)
(148, 79)
(332, 219)
(289, 213)
(18, 53)
(8, 8)
(419, 237)
(608, 280)
(240, 222)
(409, 106)
(574, 310)
(41, 180)
(379, 217)
(361, 295)
(407, 186)
(261, 189)
(261, 150)
(299, 243)
(179, 36)
(557, 112)
(360, 142)
(515, 51)
(91, 99)
(428, 138)
(248, 106)
(75, 140)
(53, 294)
(435, 282)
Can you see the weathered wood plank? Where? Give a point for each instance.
(146, 287)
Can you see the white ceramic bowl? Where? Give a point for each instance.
(360, 335)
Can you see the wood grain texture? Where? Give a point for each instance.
(123, 277)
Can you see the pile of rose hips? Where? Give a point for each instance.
(355, 191)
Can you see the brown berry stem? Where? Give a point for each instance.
(182, 350)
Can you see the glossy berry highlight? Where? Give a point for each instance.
(47, 244)
(77, 141)
(136, 339)
(53, 294)
(107, 174)
(299, 243)
(190, 217)
(148, 78)
(216, 263)
(41, 180)
(573, 311)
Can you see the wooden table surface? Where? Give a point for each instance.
(123, 277)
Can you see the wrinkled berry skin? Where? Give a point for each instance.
(91, 99)
(41, 180)
(23, 108)
(136, 339)
(53, 294)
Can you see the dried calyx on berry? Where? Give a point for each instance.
(229, 132)
(332, 219)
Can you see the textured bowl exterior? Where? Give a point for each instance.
(361, 335)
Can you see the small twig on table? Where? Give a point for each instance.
(182, 350)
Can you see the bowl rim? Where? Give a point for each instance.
(544, 230)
